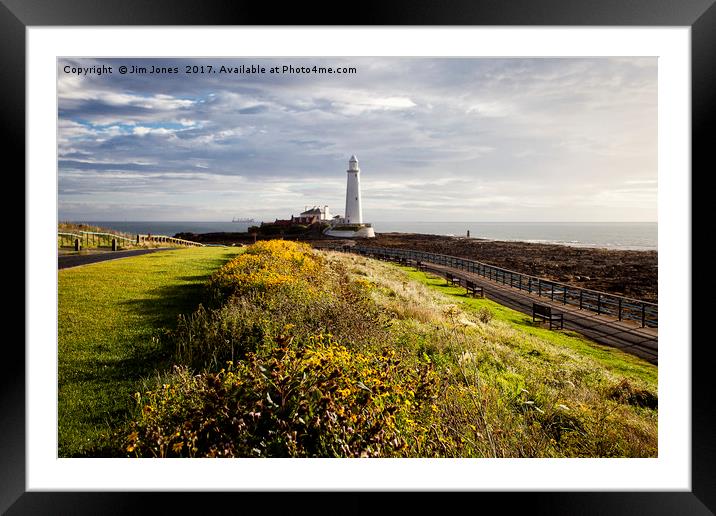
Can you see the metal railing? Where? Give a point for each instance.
(601, 303)
(97, 239)
(167, 239)
(67, 239)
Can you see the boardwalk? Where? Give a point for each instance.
(625, 335)
(634, 332)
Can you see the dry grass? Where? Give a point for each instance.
(510, 389)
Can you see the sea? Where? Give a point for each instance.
(640, 236)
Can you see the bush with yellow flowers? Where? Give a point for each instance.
(256, 313)
(316, 399)
(266, 265)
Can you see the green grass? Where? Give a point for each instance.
(112, 317)
(503, 385)
(610, 358)
(513, 388)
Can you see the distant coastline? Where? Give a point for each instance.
(633, 236)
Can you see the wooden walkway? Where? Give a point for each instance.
(625, 335)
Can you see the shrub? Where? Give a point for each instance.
(625, 392)
(255, 315)
(318, 399)
(484, 315)
(304, 335)
(266, 265)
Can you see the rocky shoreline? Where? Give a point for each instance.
(627, 273)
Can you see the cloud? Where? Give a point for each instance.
(141, 131)
(455, 138)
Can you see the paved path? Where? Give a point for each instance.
(625, 335)
(74, 260)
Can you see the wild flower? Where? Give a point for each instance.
(319, 399)
(266, 265)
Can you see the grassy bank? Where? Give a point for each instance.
(325, 354)
(607, 357)
(112, 319)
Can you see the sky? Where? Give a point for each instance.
(437, 139)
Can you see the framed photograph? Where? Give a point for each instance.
(568, 131)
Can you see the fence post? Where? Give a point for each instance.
(581, 297)
(552, 298)
(564, 301)
(643, 315)
(620, 309)
(114, 244)
(539, 287)
(77, 244)
(520, 280)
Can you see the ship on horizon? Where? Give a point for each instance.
(242, 220)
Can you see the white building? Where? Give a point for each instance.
(312, 215)
(351, 225)
(354, 212)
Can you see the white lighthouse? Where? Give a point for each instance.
(351, 225)
(354, 213)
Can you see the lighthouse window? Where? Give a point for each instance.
(356, 198)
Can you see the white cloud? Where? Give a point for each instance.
(141, 131)
(504, 138)
(491, 109)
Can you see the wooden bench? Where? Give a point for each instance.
(544, 313)
(473, 289)
(451, 278)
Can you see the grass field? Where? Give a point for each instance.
(112, 317)
(610, 358)
(366, 358)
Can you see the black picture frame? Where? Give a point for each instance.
(700, 15)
